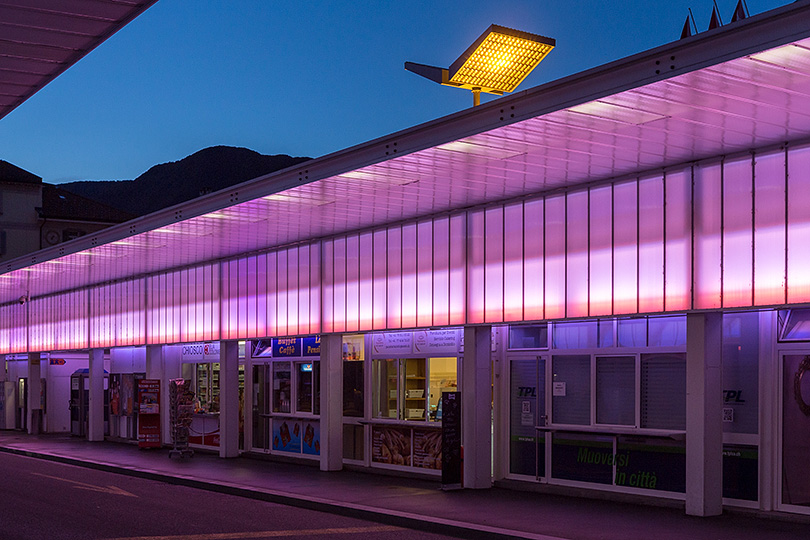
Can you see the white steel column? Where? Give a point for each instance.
(476, 407)
(95, 412)
(34, 390)
(704, 408)
(228, 399)
(331, 402)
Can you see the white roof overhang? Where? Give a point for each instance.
(40, 39)
(742, 86)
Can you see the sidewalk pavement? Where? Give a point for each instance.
(410, 502)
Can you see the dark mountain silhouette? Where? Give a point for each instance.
(206, 171)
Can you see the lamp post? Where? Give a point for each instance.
(497, 62)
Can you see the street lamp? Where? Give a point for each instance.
(495, 63)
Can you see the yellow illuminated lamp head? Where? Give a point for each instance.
(499, 60)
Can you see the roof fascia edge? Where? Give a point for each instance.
(754, 34)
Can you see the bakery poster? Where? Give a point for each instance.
(311, 441)
(427, 448)
(391, 445)
(287, 435)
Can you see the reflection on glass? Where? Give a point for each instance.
(304, 396)
(443, 378)
(353, 388)
(281, 387)
(386, 383)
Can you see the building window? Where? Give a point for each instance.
(528, 337)
(663, 391)
(411, 388)
(616, 390)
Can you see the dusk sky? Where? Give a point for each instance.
(302, 78)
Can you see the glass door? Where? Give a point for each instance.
(261, 406)
(795, 432)
(527, 415)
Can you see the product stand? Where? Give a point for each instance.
(181, 408)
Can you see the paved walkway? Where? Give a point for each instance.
(415, 503)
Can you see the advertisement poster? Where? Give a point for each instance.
(149, 408)
(287, 435)
(427, 448)
(451, 440)
(391, 445)
(312, 438)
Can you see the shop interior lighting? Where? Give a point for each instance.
(496, 63)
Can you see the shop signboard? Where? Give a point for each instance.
(393, 343)
(312, 346)
(286, 347)
(200, 352)
(451, 440)
(149, 413)
(436, 341)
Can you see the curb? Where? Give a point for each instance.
(388, 517)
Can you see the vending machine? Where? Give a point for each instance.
(80, 402)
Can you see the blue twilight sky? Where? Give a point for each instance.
(304, 78)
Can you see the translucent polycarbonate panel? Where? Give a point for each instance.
(577, 268)
(513, 242)
(625, 247)
(476, 235)
(315, 262)
(352, 283)
(533, 259)
(601, 251)
(394, 264)
(708, 212)
(380, 271)
(252, 298)
(738, 234)
(231, 285)
(441, 271)
(458, 269)
(798, 230)
(338, 313)
(293, 291)
(678, 244)
(243, 315)
(282, 290)
(651, 244)
(14, 330)
(493, 264)
(409, 275)
(261, 295)
(304, 288)
(366, 280)
(424, 273)
(769, 228)
(328, 276)
(213, 305)
(555, 257)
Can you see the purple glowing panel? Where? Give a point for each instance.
(476, 234)
(352, 283)
(625, 247)
(424, 276)
(769, 228)
(261, 295)
(576, 260)
(282, 290)
(251, 295)
(513, 257)
(366, 277)
(798, 231)
(380, 272)
(555, 257)
(293, 291)
(533, 260)
(272, 289)
(328, 313)
(678, 248)
(458, 275)
(651, 244)
(409, 300)
(441, 271)
(738, 253)
(707, 252)
(600, 254)
(393, 306)
(493, 264)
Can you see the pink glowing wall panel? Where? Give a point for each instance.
(678, 240)
(798, 229)
(651, 244)
(737, 245)
(640, 245)
(769, 228)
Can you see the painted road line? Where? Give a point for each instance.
(110, 490)
(265, 534)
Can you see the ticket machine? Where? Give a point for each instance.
(80, 402)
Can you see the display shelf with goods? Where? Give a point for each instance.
(181, 410)
(415, 386)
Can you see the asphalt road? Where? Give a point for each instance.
(46, 500)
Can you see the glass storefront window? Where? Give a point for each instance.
(307, 387)
(282, 387)
(528, 337)
(353, 390)
(571, 389)
(575, 335)
(741, 373)
(616, 390)
(632, 332)
(411, 388)
(663, 391)
(667, 331)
